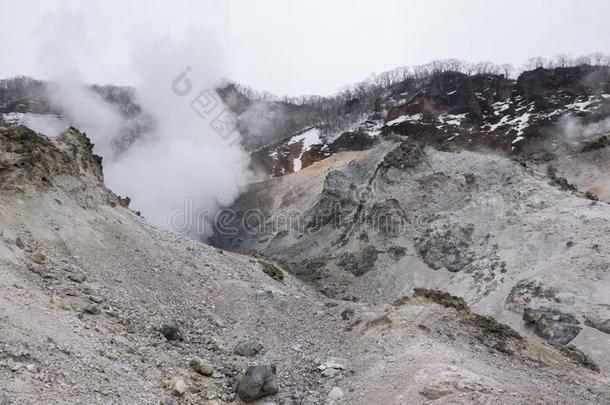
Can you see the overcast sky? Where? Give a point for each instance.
(297, 47)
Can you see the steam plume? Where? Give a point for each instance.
(181, 171)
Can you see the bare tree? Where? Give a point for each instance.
(563, 60)
(583, 60)
(597, 58)
(507, 70)
(536, 62)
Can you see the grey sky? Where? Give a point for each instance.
(304, 47)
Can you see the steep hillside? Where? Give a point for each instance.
(518, 231)
(99, 307)
(536, 115)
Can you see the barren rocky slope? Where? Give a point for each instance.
(99, 307)
(514, 239)
(490, 189)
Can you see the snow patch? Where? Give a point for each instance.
(521, 122)
(451, 119)
(309, 138)
(500, 106)
(404, 118)
(583, 105)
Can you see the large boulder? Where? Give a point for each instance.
(557, 327)
(259, 381)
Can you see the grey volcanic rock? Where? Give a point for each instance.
(602, 326)
(448, 248)
(171, 331)
(407, 155)
(77, 277)
(202, 367)
(525, 291)
(556, 327)
(361, 262)
(248, 348)
(259, 381)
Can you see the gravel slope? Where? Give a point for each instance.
(89, 292)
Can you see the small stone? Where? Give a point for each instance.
(32, 368)
(211, 394)
(77, 277)
(202, 367)
(97, 299)
(34, 268)
(212, 344)
(61, 303)
(272, 271)
(171, 331)
(336, 394)
(330, 372)
(40, 257)
(258, 382)
(177, 386)
(19, 243)
(436, 390)
(348, 314)
(333, 362)
(248, 348)
(92, 309)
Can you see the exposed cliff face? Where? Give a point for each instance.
(573, 81)
(456, 93)
(452, 109)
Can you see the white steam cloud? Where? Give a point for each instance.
(88, 111)
(179, 173)
(574, 131)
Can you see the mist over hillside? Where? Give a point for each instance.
(304, 203)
